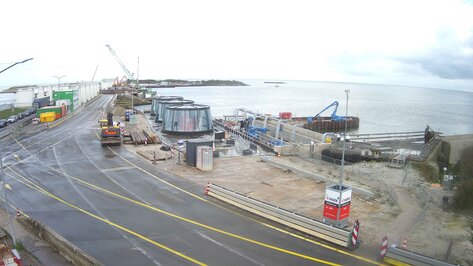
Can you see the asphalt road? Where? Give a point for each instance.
(125, 211)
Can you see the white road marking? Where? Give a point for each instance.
(230, 249)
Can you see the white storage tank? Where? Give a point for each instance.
(204, 158)
(194, 120)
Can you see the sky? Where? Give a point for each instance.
(412, 43)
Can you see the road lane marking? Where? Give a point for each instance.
(275, 228)
(323, 245)
(8, 186)
(117, 169)
(191, 222)
(48, 194)
(230, 249)
(197, 223)
(162, 180)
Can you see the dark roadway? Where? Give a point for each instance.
(125, 211)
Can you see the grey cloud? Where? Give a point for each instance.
(449, 60)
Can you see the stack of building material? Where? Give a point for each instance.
(138, 137)
(152, 138)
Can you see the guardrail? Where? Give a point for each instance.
(397, 256)
(335, 235)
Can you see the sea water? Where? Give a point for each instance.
(381, 108)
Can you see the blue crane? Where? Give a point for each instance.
(334, 115)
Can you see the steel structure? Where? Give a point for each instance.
(334, 115)
(127, 72)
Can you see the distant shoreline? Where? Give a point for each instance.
(172, 83)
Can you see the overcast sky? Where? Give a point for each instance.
(416, 43)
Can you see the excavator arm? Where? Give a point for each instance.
(334, 115)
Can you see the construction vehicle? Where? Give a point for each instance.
(334, 115)
(109, 134)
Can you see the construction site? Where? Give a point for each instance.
(273, 161)
(367, 196)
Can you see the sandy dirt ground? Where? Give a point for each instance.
(405, 208)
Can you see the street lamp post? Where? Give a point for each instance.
(344, 139)
(24, 61)
(59, 85)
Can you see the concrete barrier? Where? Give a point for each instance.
(65, 248)
(335, 235)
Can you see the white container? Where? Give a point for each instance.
(204, 158)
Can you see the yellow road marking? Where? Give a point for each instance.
(188, 221)
(162, 180)
(324, 245)
(273, 227)
(43, 191)
(395, 262)
(209, 227)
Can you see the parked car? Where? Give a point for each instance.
(3, 123)
(19, 116)
(26, 113)
(12, 119)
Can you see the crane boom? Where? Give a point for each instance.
(334, 115)
(127, 72)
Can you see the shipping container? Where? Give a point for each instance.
(204, 158)
(47, 117)
(285, 115)
(191, 150)
(60, 111)
(72, 96)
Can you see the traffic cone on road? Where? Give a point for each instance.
(207, 189)
(18, 213)
(404, 244)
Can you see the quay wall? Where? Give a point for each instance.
(457, 144)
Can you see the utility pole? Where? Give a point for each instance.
(344, 139)
(59, 85)
(4, 188)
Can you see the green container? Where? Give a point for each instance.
(72, 96)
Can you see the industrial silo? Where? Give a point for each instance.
(162, 104)
(191, 119)
(154, 103)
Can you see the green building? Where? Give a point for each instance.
(69, 98)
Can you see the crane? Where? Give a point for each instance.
(127, 72)
(334, 115)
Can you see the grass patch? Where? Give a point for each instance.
(8, 112)
(19, 246)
